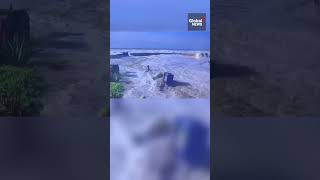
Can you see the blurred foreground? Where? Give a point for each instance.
(156, 139)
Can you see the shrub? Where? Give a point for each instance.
(16, 52)
(20, 92)
(116, 90)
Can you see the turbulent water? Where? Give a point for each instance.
(191, 70)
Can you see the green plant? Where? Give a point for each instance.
(16, 52)
(116, 90)
(20, 92)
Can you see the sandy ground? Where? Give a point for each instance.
(70, 41)
(191, 74)
(266, 59)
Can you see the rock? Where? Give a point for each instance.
(114, 72)
(158, 76)
(168, 79)
(164, 79)
(115, 68)
(160, 84)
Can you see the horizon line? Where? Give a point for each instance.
(163, 49)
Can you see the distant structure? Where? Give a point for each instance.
(14, 24)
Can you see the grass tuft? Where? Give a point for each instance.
(116, 90)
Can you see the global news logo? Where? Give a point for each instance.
(197, 21)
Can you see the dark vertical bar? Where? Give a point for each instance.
(108, 87)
